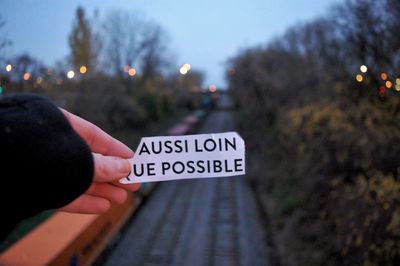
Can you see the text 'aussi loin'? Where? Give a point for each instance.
(186, 146)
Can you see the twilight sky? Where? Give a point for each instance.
(204, 33)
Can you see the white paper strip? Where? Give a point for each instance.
(184, 157)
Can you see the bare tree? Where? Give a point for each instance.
(4, 41)
(154, 52)
(367, 27)
(122, 37)
(134, 42)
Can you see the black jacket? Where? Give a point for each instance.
(44, 163)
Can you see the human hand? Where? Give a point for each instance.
(110, 163)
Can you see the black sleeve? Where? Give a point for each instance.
(44, 163)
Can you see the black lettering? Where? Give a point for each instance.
(208, 166)
(153, 148)
(165, 166)
(186, 146)
(227, 167)
(144, 149)
(175, 170)
(200, 164)
(150, 169)
(191, 167)
(168, 148)
(196, 147)
(233, 145)
(178, 146)
(135, 172)
(217, 166)
(213, 145)
(238, 165)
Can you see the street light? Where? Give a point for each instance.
(363, 68)
(27, 76)
(71, 74)
(132, 72)
(183, 70)
(83, 69)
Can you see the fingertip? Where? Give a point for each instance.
(124, 167)
(130, 153)
(122, 196)
(110, 168)
(136, 186)
(129, 187)
(102, 206)
(123, 150)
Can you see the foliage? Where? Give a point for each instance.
(326, 144)
(349, 152)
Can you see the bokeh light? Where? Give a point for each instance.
(212, 88)
(132, 72)
(359, 78)
(39, 80)
(397, 87)
(71, 74)
(83, 69)
(8, 68)
(183, 70)
(27, 76)
(398, 81)
(382, 91)
(363, 68)
(384, 76)
(388, 84)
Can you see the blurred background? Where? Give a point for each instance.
(315, 86)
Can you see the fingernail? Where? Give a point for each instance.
(124, 166)
(131, 151)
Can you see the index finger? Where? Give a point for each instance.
(98, 140)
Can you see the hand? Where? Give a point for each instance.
(110, 163)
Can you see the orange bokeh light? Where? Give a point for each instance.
(83, 69)
(132, 72)
(27, 76)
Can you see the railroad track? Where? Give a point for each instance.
(196, 222)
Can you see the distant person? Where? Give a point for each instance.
(52, 159)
